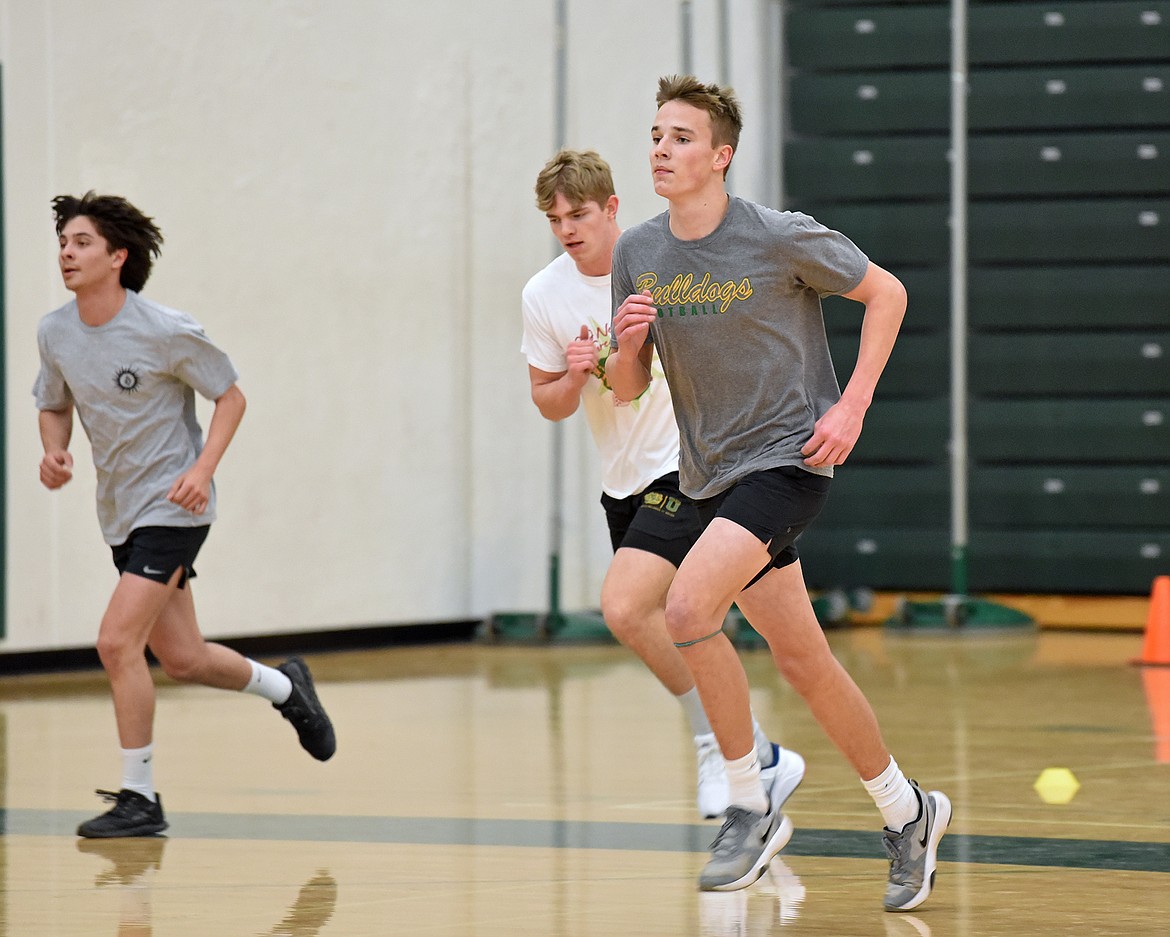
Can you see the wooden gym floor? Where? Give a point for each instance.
(502, 790)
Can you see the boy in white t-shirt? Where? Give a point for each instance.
(652, 525)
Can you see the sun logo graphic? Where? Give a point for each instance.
(127, 380)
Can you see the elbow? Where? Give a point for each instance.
(553, 415)
(235, 397)
(895, 294)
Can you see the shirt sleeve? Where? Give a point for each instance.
(50, 389)
(539, 343)
(197, 362)
(822, 259)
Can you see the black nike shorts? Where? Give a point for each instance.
(155, 553)
(776, 505)
(660, 520)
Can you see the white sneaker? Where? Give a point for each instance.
(713, 792)
(784, 775)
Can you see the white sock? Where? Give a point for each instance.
(268, 682)
(696, 715)
(894, 796)
(138, 771)
(743, 783)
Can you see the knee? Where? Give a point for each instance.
(794, 672)
(804, 672)
(686, 620)
(182, 668)
(622, 616)
(115, 650)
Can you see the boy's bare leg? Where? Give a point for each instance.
(778, 607)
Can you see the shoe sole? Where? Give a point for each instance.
(777, 841)
(149, 829)
(942, 820)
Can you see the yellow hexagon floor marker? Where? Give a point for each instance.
(1057, 786)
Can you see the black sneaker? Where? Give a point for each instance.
(131, 815)
(305, 711)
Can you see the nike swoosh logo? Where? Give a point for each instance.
(925, 830)
(152, 572)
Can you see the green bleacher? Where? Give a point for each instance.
(1068, 289)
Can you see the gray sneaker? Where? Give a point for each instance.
(914, 852)
(748, 841)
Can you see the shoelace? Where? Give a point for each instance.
(897, 856)
(737, 818)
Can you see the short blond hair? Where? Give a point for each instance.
(720, 104)
(579, 175)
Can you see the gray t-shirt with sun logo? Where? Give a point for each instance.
(133, 382)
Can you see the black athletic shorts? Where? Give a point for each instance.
(156, 552)
(660, 520)
(775, 505)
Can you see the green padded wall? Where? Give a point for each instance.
(1056, 163)
(1068, 286)
(888, 36)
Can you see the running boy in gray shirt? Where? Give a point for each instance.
(729, 292)
(131, 368)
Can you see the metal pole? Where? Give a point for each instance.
(959, 520)
(724, 42)
(556, 517)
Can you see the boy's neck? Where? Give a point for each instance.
(697, 216)
(99, 305)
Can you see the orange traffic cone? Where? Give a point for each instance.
(1156, 681)
(1156, 648)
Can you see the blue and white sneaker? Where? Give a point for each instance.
(713, 793)
(748, 841)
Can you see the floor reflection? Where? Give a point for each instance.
(133, 865)
(774, 901)
(311, 911)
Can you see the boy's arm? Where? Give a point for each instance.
(56, 427)
(628, 367)
(192, 490)
(558, 394)
(836, 432)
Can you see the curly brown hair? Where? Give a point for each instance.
(122, 225)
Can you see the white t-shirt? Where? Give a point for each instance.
(638, 441)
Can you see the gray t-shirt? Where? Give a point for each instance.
(133, 381)
(740, 334)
